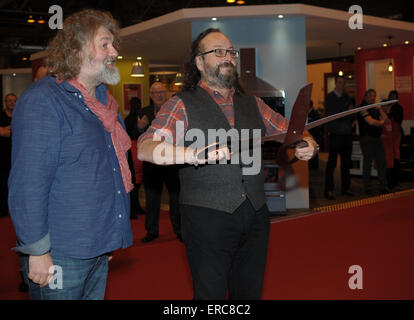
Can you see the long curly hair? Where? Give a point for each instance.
(64, 52)
(191, 73)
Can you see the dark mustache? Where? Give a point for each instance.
(226, 64)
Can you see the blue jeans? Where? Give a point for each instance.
(79, 279)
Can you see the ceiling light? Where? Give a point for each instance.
(390, 67)
(137, 70)
(280, 16)
(31, 20)
(340, 73)
(178, 79)
(406, 42)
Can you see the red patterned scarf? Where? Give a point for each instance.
(108, 115)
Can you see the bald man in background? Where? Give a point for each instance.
(155, 175)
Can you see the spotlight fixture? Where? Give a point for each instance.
(390, 66)
(178, 79)
(340, 72)
(137, 70)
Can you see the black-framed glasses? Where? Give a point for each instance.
(221, 53)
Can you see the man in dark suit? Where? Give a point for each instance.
(340, 139)
(155, 175)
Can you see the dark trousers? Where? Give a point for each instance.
(134, 200)
(393, 174)
(373, 149)
(134, 194)
(342, 145)
(4, 208)
(154, 178)
(226, 251)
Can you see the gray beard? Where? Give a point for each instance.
(216, 79)
(107, 75)
(110, 76)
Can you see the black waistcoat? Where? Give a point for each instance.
(221, 186)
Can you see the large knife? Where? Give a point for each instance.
(280, 136)
(293, 136)
(282, 156)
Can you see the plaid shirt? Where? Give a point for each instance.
(164, 125)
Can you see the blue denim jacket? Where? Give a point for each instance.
(66, 193)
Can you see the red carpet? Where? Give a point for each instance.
(308, 258)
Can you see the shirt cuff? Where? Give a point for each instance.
(35, 249)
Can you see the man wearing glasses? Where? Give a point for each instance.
(155, 175)
(224, 217)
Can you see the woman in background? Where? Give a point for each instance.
(131, 123)
(391, 137)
